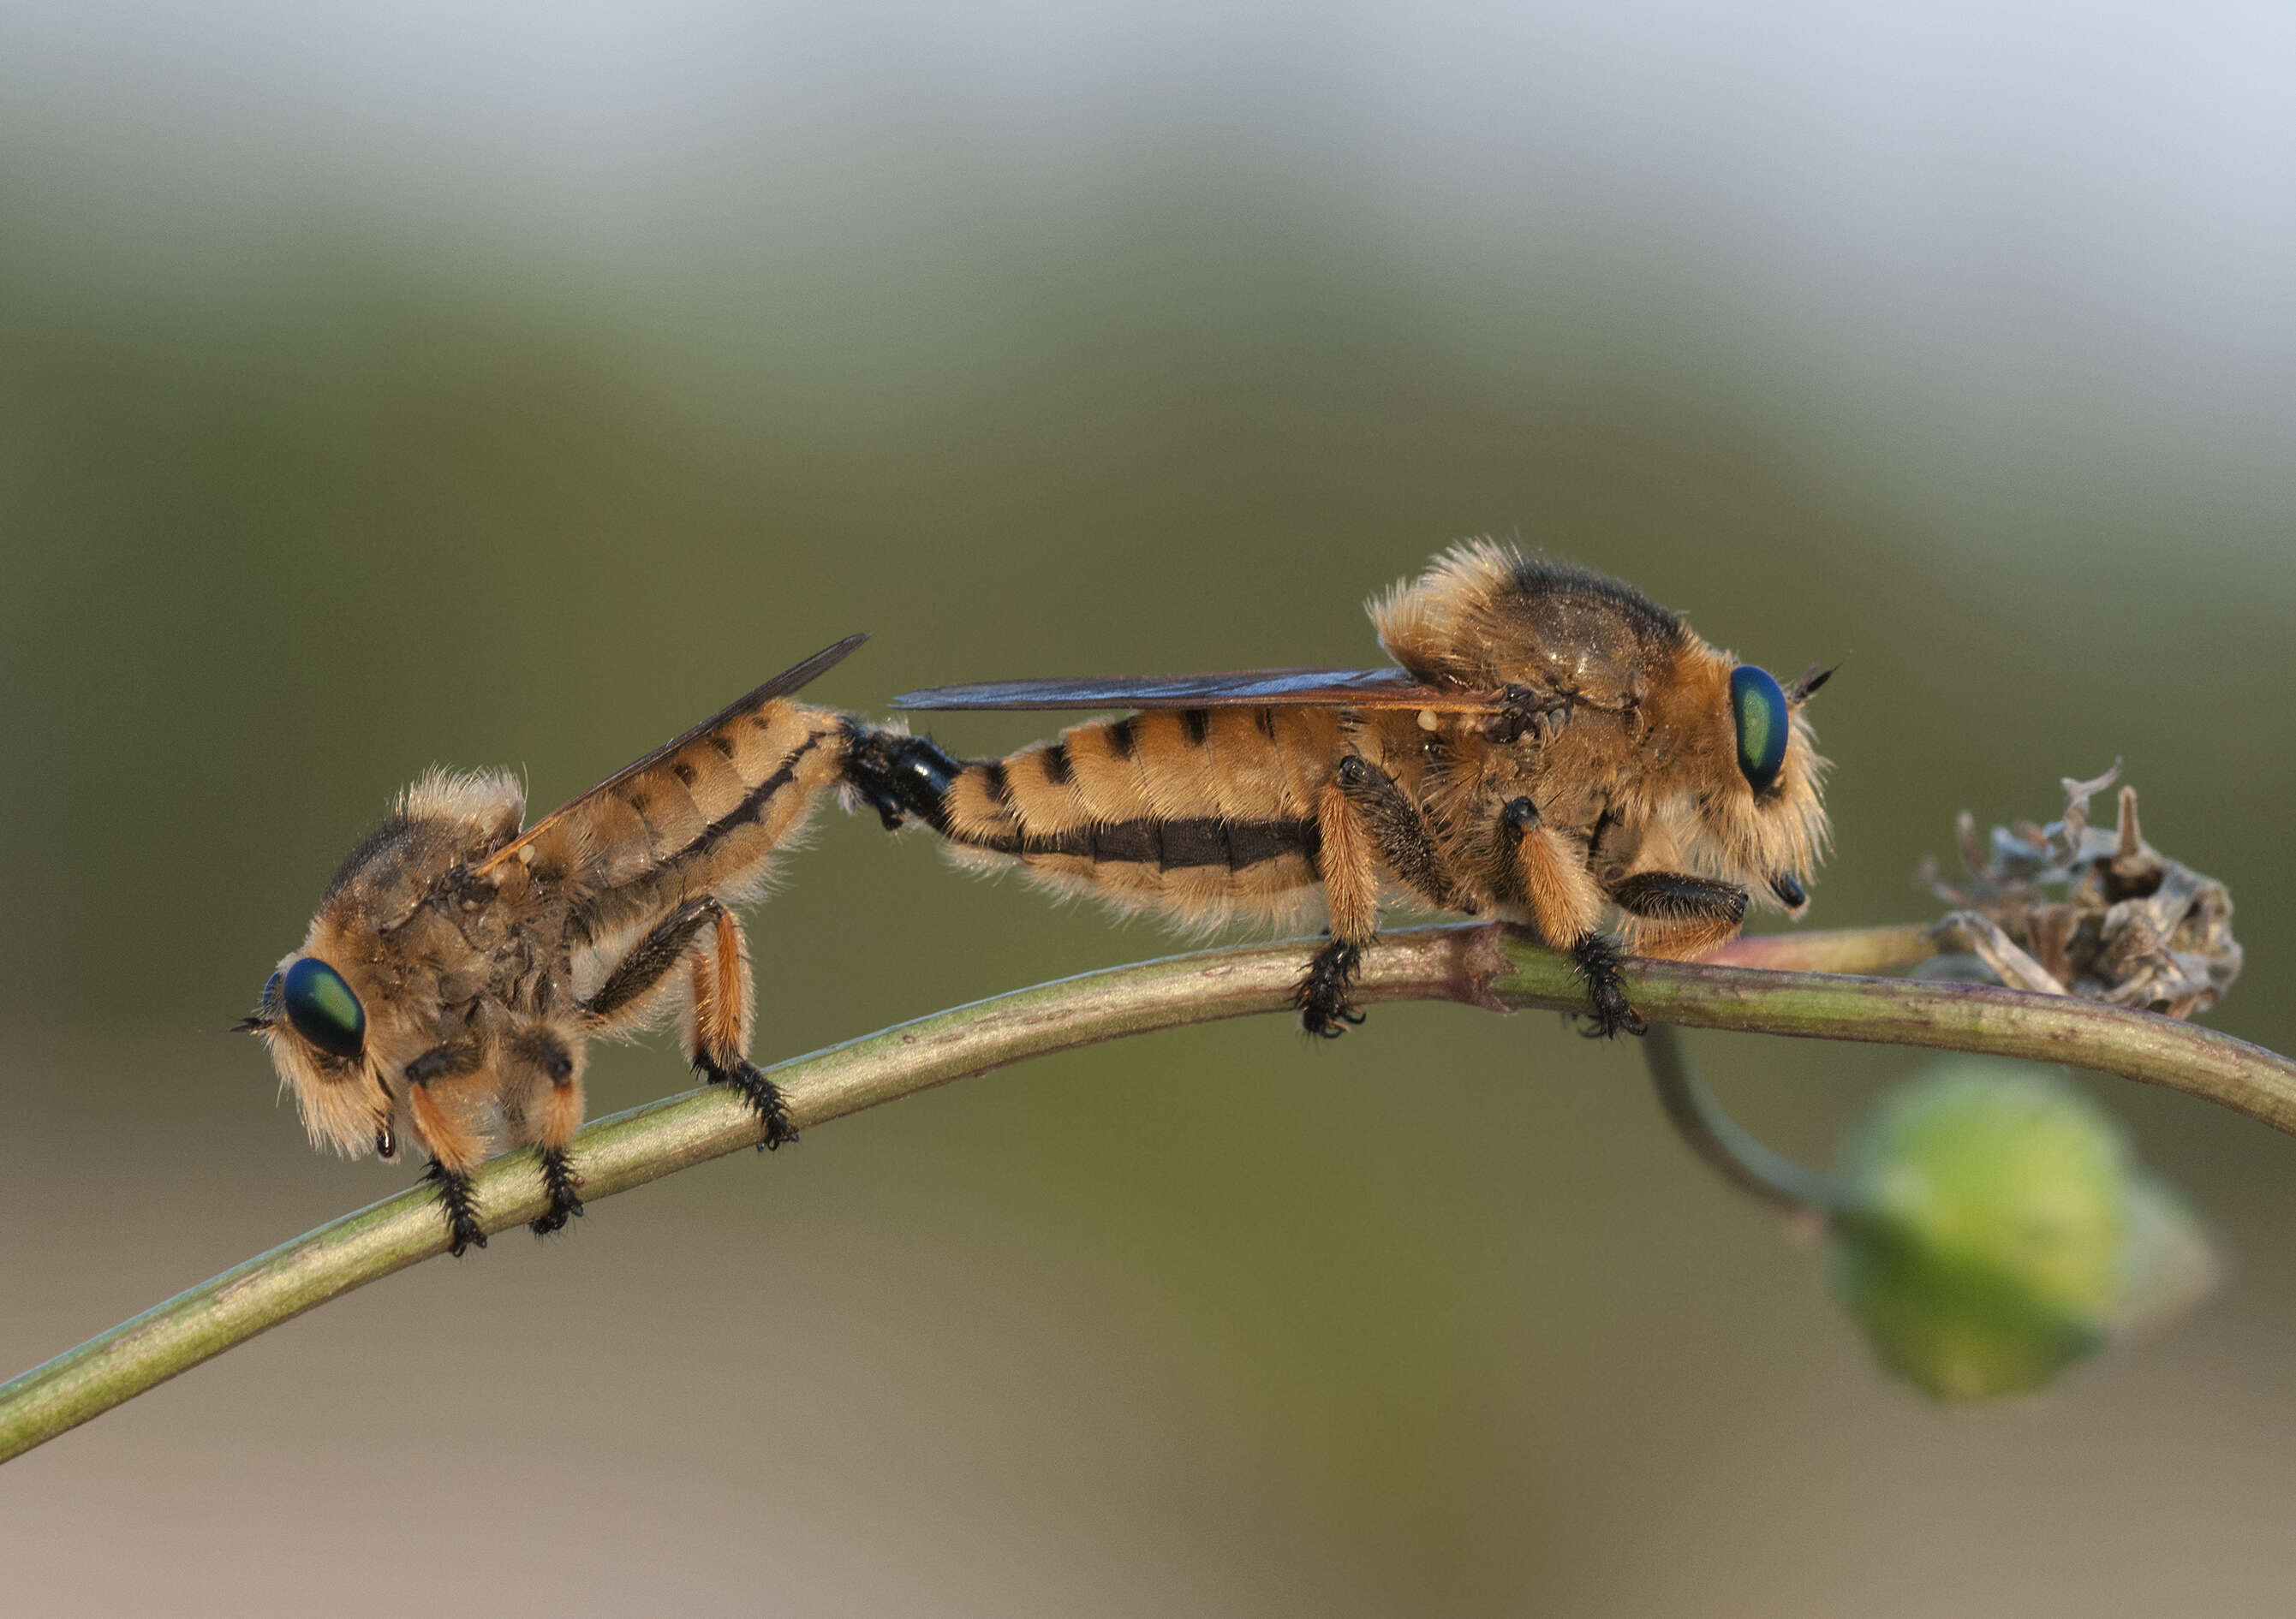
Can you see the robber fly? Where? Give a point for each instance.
(459, 965)
(1554, 746)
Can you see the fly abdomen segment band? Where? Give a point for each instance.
(1169, 846)
(709, 817)
(1201, 813)
(755, 805)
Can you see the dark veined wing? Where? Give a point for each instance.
(1244, 689)
(789, 680)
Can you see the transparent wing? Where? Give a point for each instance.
(781, 685)
(1243, 689)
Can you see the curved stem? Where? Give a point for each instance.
(1766, 1177)
(1476, 965)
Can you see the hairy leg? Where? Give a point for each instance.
(1398, 831)
(1346, 861)
(648, 962)
(1566, 906)
(718, 1035)
(548, 1071)
(1678, 916)
(443, 1131)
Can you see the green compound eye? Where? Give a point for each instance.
(322, 1009)
(1760, 708)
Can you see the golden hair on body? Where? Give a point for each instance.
(458, 967)
(1551, 748)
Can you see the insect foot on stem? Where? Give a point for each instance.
(764, 1096)
(1322, 996)
(461, 1209)
(1601, 963)
(560, 1180)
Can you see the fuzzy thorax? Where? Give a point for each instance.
(1485, 617)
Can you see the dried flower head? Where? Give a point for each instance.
(2069, 909)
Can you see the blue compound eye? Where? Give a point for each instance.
(1760, 708)
(322, 1009)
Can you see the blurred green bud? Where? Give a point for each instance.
(1996, 1229)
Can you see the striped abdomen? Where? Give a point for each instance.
(1194, 811)
(705, 818)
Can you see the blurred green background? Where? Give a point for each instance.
(414, 385)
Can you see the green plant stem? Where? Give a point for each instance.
(1482, 966)
(1743, 1162)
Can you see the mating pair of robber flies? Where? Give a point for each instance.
(1550, 747)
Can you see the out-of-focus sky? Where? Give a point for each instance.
(514, 385)
(2056, 231)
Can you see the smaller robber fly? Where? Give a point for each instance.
(1553, 749)
(459, 964)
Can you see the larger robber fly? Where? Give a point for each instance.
(460, 963)
(1551, 748)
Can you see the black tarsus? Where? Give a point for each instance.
(460, 1208)
(899, 775)
(560, 1180)
(1322, 995)
(1601, 962)
(764, 1096)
